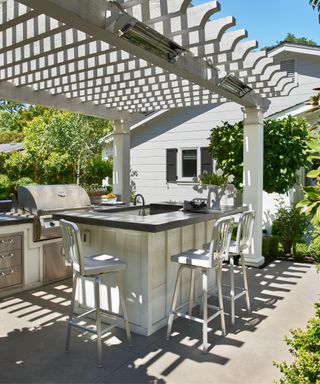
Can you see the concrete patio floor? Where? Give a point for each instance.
(33, 329)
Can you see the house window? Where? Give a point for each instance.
(189, 159)
(184, 164)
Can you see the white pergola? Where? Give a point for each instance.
(103, 58)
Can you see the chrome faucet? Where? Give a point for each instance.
(142, 211)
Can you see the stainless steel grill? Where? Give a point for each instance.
(43, 200)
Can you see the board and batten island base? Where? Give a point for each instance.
(146, 243)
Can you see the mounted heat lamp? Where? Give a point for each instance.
(129, 28)
(235, 86)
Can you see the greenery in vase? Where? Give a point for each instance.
(218, 178)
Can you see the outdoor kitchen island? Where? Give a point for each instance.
(146, 244)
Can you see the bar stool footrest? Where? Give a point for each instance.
(198, 319)
(241, 291)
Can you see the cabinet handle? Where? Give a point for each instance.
(3, 257)
(6, 242)
(7, 273)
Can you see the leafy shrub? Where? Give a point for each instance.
(19, 164)
(271, 247)
(11, 137)
(91, 188)
(301, 251)
(3, 158)
(24, 181)
(289, 225)
(285, 151)
(5, 187)
(305, 347)
(314, 249)
(96, 170)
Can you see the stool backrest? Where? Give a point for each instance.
(244, 231)
(220, 240)
(72, 244)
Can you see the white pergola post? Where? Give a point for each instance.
(253, 177)
(121, 159)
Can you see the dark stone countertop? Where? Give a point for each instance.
(10, 218)
(152, 223)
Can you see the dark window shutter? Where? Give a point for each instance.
(172, 165)
(206, 160)
(288, 66)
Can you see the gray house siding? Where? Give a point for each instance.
(181, 129)
(190, 128)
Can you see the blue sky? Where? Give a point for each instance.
(269, 21)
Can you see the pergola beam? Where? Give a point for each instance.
(89, 16)
(27, 95)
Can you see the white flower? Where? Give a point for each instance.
(230, 178)
(219, 172)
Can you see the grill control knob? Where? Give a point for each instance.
(52, 224)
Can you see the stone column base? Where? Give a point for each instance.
(255, 261)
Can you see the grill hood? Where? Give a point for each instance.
(43, 199)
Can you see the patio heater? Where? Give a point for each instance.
(235, 86)
(129, 28)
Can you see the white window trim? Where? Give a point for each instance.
(182, 179)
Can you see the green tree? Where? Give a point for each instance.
(11, 106)
(300, 40)
(59, 147)
(315, 5)
(8, 121)
(18, 165)
(60, 144)
(76, 135)
(285, 151)
(11, 137)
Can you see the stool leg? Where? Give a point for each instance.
(98, 318)
(73, 295)
(205, 310)
(219, 288)
(191, 294)
(232, 289)
(245, 282)
(124, 311)
(174, 302)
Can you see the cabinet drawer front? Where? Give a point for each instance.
(10, 276)
(11, 258)
(7, 243)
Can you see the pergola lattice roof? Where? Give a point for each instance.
(64, 54)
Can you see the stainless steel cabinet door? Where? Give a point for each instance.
(56, 266)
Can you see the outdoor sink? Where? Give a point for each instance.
(140, 211)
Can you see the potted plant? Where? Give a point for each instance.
(217, 184)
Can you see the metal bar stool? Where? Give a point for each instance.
(203, 260)
(95, 266)
(236, 250)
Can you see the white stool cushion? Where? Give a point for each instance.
(195, 257)
(104, 263)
